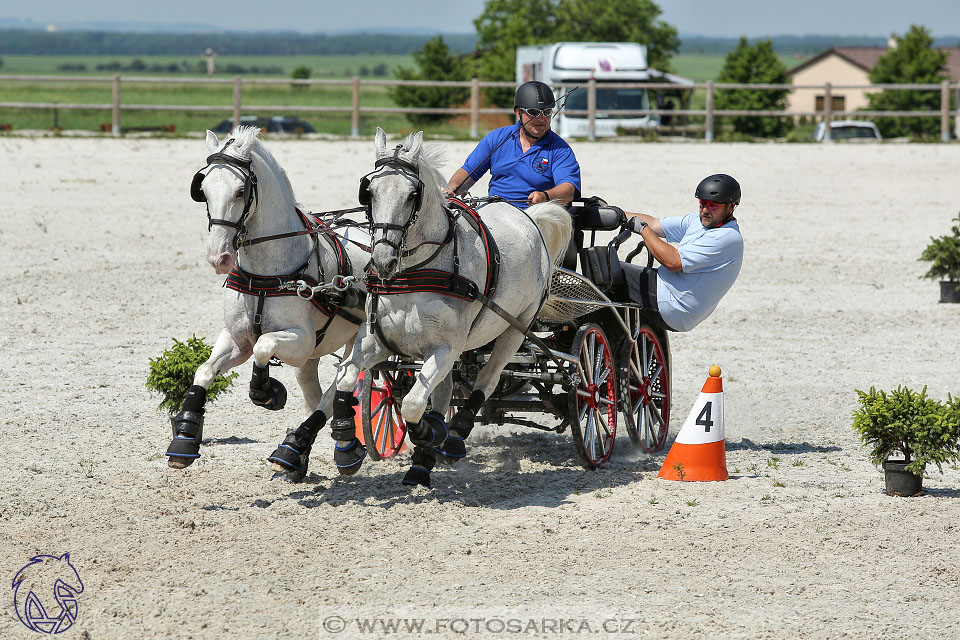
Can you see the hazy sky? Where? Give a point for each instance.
(727, 18)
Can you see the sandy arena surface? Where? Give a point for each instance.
(101, 264)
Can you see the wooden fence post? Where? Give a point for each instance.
(115, 127)
(592, 108)
(237, 91)
(827, 112)
(355, 116)
(945, 111)
(475, 108)
(708, 120)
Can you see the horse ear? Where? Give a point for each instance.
(416, 144)
(381, 140)
(212, 143)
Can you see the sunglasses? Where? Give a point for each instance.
(710, 204)
(536, 113)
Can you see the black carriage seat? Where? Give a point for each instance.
(593, 214)
(598, 263)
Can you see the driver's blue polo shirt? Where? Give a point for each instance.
(711, 260)
(514, 175)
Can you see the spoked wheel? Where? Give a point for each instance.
(645, 372)
(383, 426)
(592, 404)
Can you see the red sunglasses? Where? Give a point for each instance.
(710, 204)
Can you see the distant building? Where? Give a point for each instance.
(846, 66)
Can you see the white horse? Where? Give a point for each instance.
(416, 239)
(249, 202)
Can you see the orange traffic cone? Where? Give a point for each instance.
(699, 453)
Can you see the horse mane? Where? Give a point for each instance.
(246, 141)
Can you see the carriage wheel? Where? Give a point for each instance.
(383, 426)
(592, 404)
(646, 390)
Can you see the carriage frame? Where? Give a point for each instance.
(607, 356)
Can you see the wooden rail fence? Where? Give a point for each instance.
(709, 112)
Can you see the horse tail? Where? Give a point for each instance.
(556, 227)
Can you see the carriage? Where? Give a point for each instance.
(593, 352)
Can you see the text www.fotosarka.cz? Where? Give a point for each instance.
(480, 626)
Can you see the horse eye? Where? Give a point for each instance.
(238, 194)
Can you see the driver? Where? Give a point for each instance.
(528, 163)
(699, 271)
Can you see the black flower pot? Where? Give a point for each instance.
(949, 291)
(899, 481)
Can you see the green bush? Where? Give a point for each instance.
(172, 373)
(923, 429)
(944, 253)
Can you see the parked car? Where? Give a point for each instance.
(276, 124)
(858, 130)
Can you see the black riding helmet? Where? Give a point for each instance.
(719, 188)
(534, 95)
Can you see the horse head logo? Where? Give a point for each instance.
(45, 594)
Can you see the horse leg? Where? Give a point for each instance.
(187, 425)
(427, 430)
(309, 381)
(292, 346)
(461, 424)
(450, 450)
(349, 452)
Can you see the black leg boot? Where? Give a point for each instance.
(349, 457)
(265, 391)
(187, 429)
(292, 457)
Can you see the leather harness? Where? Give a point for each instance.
(270, 286)
(419, 280)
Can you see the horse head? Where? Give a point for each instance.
(393, 194)
(229, 188)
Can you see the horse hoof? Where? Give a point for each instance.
(417, 476)
(431, 431)
(176, 462)
(349, 458)
(452, 450)
(290, 457)
(293, 477)
(274, 399)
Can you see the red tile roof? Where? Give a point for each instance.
(866, 58)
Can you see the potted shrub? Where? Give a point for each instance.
(944, 253)
(923, 430)
(171, 374)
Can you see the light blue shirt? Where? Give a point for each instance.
(711, 260)
(514, 174)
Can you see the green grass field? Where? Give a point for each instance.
(696, 67)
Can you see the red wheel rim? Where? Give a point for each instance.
(383, 426)
(595, 421)
(648, 392)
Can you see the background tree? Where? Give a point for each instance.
(754, 64)
(620, 21)
(912, 61)
(300, 73)
(434, 62)
(505, 25)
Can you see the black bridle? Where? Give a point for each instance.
(412, 173)
(250, 192)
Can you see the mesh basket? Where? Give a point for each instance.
(571, 296)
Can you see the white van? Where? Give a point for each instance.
(571, 63)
